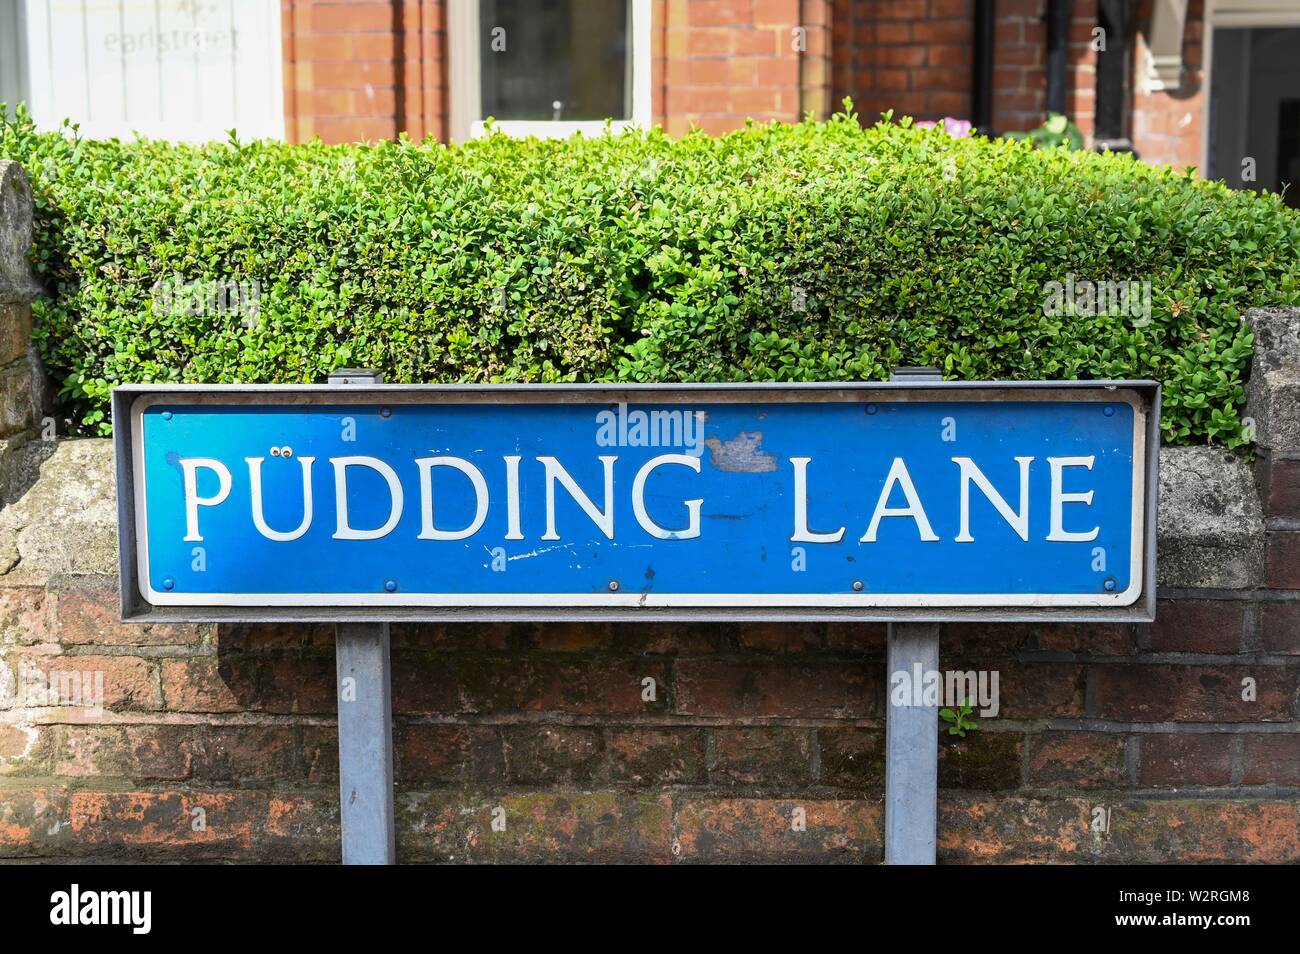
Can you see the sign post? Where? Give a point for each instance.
(911, 731)
(364, 668)
(915, 502)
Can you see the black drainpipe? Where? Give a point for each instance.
(982, 79)
(1110, 129)
(1058, 37)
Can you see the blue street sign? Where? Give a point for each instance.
(871, 500)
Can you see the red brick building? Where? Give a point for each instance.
(1209, 83)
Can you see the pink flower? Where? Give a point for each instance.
(956, 128)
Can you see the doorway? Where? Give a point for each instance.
(1254, 133)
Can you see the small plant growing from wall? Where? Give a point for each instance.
(960, 719)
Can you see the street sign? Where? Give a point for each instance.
(908, 500)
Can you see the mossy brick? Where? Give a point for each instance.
(558, 755)
(761, 756)
(778, 830)
(1075, 760)
(655, 755)
(546, 827)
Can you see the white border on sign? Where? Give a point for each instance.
(636, 600)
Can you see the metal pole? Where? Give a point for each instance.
(365, 724)
(911, 748)
(911, 729)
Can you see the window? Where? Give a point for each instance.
(548, 67)
(171, 69)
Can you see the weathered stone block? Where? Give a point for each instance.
(1273, 394)
(1211, 525)
(16, 281)
(67, 522)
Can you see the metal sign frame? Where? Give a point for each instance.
(130, 401)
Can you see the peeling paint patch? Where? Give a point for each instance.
(741, 455)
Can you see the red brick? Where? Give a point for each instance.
(948, 104)
(776, 13)
(894, 32)
(939, 77)
(550, 828)
(1159, 693)
(941, 9)
(1175, 761)
(777, 71)
(165, 822)
(27, 750)
(944, 31)
(179, 752)
(356, 17)
(658, 756)
(128, 681)
(1272, 759)
(585, 686)
(303, 684)
(31, 819)
(760, 42)
(709, 71)
(790, 689)
(1283, 559)
(903, 10)
(891, 79)
(300, 829)
(949, 56)
(195, 685)
(88, 614)
(763, 830)
(1154, 831)
(1284, 488)
(24, 619)
(320, 48)
(1032, 690)
(762, 755)
(1280, 627)
(1198, 626)
(912, 56)
(354, 129)
(1076, 760)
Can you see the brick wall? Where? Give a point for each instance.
(364, 69)
(912, 57)
(726, 61)
(552, 724)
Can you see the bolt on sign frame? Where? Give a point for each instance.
(915, 502)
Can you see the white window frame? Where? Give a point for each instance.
(467, 120)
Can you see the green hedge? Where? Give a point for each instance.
(818, 251)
